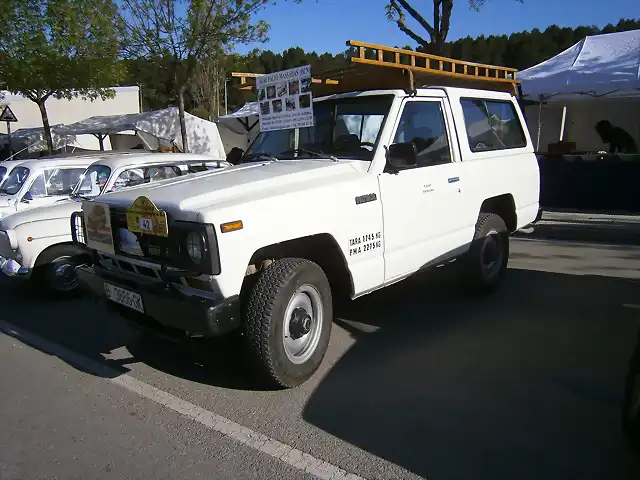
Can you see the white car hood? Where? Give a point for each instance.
(61, 209)
(247, 183)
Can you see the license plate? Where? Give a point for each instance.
(124, 297)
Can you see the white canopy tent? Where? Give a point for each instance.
(596, 79)
(32, 139)
(240, 128)
(156, 128)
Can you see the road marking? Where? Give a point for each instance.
(250, 438)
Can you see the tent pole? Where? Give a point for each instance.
(539, 124)
(562, 123)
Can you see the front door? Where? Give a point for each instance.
(419, 202)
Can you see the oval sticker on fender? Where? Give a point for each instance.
(144, 217)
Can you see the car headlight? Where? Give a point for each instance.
(195, 247)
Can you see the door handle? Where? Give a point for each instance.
(454, 179)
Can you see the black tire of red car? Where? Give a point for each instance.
(631, 400)
(482, 268)
(55, 270)
(288, 316)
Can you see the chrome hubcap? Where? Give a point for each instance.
(302, 326)
(64, 274)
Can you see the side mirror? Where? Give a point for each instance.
(27, 197)
(402, 155)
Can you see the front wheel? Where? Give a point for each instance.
(288, 318)
(56, 271)
(482, 268)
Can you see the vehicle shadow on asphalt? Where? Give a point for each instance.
(84, 326)
(525, 383)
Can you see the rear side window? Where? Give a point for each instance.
(492, 125)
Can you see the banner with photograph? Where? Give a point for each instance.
(285, 99)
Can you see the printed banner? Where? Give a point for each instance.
(97, 223)
(285, 99)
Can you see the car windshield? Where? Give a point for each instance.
(92, 181)
(343, 128)
(3, 172)
(13, 183)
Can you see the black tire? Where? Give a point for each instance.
(631, 400)
(265, 320)
(490, 241)
(55, 271)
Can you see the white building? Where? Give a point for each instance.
(126, 100)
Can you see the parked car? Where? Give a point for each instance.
(385, 183)
(6, 167)
(34, 183)
(631, 402)
(36, 243)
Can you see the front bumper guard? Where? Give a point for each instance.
(165, 306)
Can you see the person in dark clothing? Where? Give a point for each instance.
(618, 139)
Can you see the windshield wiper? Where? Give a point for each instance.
(258, 155)
(310, 152)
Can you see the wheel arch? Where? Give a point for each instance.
(47, 254)
(503, 205)
(321, 248)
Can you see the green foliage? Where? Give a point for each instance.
(63, 48)
(177, 35)
(60, 48)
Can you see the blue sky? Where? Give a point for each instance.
(325, 25)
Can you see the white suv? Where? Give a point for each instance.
(386, 183)
(39, 239)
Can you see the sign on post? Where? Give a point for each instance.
(285, 99)
(8, 115)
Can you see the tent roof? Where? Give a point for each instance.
(598, 65)
(249, 109)
(203, 135)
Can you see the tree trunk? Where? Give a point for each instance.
(183, 126)
(45, 125)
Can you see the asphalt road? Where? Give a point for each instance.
(419, 381)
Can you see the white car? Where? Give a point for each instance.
(6, 167)
(39, 239)
(42, 181)
(386, 183)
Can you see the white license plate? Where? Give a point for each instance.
(124, 297)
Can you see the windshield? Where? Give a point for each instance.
(3, 172)
(92, 182)
(13, 183)
(343, 128)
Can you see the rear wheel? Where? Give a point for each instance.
(483, 267)
(288, 318)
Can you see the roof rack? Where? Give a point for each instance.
(373, 67)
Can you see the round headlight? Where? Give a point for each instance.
(195, 246)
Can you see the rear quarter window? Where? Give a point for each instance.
(492, 125)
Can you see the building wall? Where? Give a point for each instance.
(126, 100)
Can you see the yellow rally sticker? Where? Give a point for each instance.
(144, 217)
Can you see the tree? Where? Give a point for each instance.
(180, 34)
(438, 30)
(59, 48)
